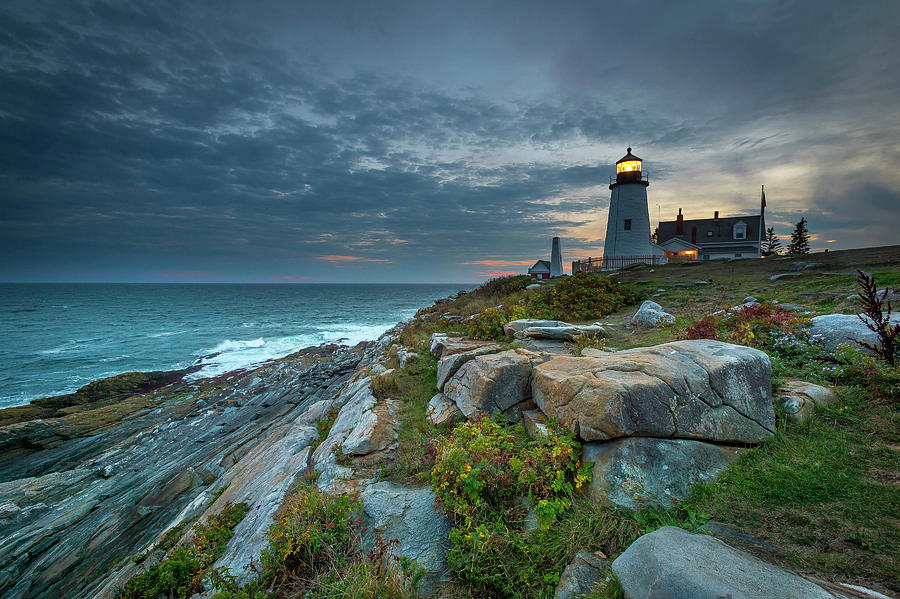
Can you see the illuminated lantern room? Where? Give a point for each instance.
(628, 168)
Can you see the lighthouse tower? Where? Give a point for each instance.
(628, 226)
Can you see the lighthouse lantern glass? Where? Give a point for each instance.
(628, 166)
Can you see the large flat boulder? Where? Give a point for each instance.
(671, 563)
(838, 329)
(446, 345)
(563, 333)
(492, 383)
(700, 389)
(514, 327)
(639, 472)
(407, 515)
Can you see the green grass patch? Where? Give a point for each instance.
(826, 491)
(415, 386)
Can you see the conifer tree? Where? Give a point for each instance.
(799, 240)
(771, 244)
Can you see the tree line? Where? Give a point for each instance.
(798, 246)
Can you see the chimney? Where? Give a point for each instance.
(694, 234)
(679, 224)
(716, 216)
(555, 259)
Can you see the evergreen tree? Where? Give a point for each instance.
(771, 244)
(799, 240)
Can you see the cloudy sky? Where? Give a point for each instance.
(416, 141)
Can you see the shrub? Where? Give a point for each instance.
(488, 325)
(757, 326)
(874, 317)
(583, 296)
(181, 572)
(503, 286)
(483, 466)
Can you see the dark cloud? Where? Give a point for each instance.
(147, 138)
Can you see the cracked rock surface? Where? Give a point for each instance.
(701, 389)
(639, 472)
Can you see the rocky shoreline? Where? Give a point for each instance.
(98, 482)
(83, 492)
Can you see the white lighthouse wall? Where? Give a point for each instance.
(628, 201)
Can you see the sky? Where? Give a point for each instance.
(291, 141)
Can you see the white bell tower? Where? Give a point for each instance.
(628, 226)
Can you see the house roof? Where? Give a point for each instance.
(679, 242)
(540, 266)
(627, 157)
(722, 229)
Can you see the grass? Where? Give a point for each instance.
(414, 386)
(182, 572)
(826, 491)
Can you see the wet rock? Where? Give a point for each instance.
(639, 472)
(799, 399)
(671, 563)
(702, 389)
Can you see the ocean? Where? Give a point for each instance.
(58, 337)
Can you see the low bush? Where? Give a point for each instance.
(486, 475)
(583, 296)
(488, 325)
(182, 571)
(483, 466)
(502, 286)
(755, 326)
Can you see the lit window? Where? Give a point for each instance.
(709, 233)
(627, 224)
(628, 167)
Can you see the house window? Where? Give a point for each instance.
(627, 224)
(740, 231)
(737, 255)
(709, 233)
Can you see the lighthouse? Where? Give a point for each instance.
(628, 225)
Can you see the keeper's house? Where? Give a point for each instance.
(713, 238)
